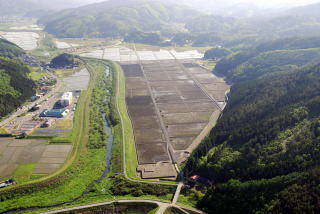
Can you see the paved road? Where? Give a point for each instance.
(30, 105)
(162, 206)
(177, 193)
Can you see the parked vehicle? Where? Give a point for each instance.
(6, 183)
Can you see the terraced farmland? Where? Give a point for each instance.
(172, 104)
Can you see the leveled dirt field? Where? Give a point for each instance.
(171, 103)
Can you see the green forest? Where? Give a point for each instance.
(15, 85)
(266, 140)
(114, 19)
(9, 50)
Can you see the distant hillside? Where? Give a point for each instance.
(290, 44)
(268, 57)
(240, 33)
(210, 23)
(115, 18)
(266, 63)
(309, 10)
(267, 143)
(15, 86)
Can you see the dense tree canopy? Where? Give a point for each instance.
(270, 128)
(15, 86)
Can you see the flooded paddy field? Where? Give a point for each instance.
(25, 40)
(123, 54)
(170, 106)
(78, 81)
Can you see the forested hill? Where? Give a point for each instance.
(8, 49)
(15, 86)
(268, 57)
(116, 18)
(268, 140)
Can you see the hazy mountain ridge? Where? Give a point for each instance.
(27, 7)
(113, 18)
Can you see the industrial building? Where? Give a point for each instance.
(58, 113)
(66, 99)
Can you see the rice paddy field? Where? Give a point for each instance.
(25, 40)
(124, 54)
(171, 103)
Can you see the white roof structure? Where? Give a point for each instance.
(66, 96)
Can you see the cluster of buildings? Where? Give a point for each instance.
(62, 111)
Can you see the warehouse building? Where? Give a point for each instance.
(58, 113)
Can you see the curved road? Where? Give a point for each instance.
(162, 206)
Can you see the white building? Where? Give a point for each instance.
(66, 99)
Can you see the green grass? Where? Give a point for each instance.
(3, 131)
(35, 76)
(130, 150)
(208, 64)
(23, 172)
(65, 72)
(154, 211)
(187, 201)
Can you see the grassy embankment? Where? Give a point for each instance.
(130, 150)
(35, 76)
(71, 181)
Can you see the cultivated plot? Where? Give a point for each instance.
(123, 54)
(170, 106)
(46, 158)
